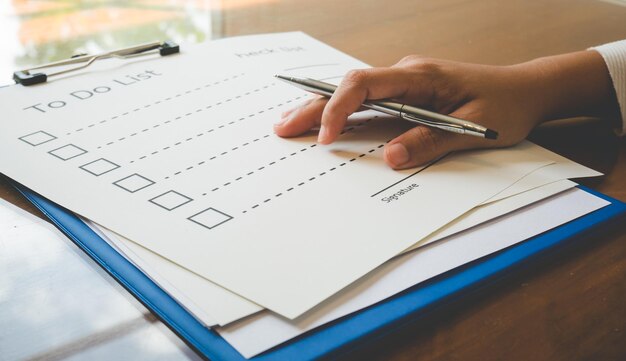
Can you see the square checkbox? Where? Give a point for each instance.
(170, 200)
(133, 183)
(210, 218)
(99, 166)
(37, 138)
(68, 151)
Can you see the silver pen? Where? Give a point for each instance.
(408, 112)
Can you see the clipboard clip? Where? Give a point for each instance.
(27, 77)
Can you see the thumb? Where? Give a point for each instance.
(422, 144)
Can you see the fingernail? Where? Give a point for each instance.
(287, 116)
(398, 154)
(281, 121)
(323, 135)
(285, 119)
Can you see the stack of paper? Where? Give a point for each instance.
(174, 161)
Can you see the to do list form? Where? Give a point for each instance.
(177, 154)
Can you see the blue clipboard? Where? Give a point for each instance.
(348, 332)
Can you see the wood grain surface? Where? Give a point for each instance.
(571, 303)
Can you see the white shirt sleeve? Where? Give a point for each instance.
(614, 55)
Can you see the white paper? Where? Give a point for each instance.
(209, 303)
(545, 181)
(562, 168)
(200, 313)
(214, 305)
(264, 330)
(537, 185)
(177, 154)
(492, 210)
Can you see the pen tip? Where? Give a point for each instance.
(491, 134)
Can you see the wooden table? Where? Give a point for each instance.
(570, 304)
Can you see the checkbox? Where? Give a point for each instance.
(170, 200)
(99, 167)
(133, 183)
(68, 151)
(210, 218)
(37, 138)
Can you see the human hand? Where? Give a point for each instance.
(509, 99)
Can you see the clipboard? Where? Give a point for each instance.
(350, 332)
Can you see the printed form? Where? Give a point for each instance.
(177, 154)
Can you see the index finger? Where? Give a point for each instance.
(356, 87)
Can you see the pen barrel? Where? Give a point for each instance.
(426, 117)
(424, 114)
(385, 107)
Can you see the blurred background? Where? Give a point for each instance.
(40, 31)
(33, 32)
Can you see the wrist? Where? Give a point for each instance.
(569, 85)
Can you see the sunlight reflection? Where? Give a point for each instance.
(51, 294)
(36, 32)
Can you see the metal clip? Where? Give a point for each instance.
(27, 77)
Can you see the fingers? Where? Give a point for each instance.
(356, 87)
(422, 144)
(299, 120)
(400, 83)
(414, 147)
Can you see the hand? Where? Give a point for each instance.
(509, 99)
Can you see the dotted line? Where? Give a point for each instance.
(261, 168)
(207, 85)
(251, 115)
(354, 126)
(318, 176)
(185, 115)
(217, 156)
